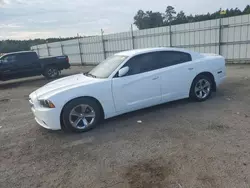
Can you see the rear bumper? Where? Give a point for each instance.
(220, 76)
(67, 66)
(220, 80)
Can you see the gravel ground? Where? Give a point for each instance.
(177, 145)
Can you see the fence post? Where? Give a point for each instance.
(80, 48)
(61, 46)
(132, 37)
(170, 36)
(48, 48)
(38, 53)
(220, 35)
(62, 49)
(103, 44)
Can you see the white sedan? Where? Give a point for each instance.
(125, 82)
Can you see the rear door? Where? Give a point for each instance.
(177, 74)
(140, 88)
(28, 64)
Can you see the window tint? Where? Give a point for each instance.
(27, 57)
(169, 58)
(142, 63)
(9, 59)
(156, 60)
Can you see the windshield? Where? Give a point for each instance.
(107, 67)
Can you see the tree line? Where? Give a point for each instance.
(150, 19)
(23, 45)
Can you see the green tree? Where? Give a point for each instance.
(247, 10)
(140, 20)
(148, 19)
(180, 18)
(155, 19)
(169, 15)
(22, 45)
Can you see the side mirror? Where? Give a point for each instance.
(123, 71)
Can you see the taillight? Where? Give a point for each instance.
(67, 59)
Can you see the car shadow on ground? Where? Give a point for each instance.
(153, 111)
(124, 122)
(110, 124)
(143, 112)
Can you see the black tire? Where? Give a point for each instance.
(193, 91)
(51, 72)
(74, 105)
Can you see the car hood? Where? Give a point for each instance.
(65, 84)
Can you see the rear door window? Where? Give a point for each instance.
(156, 60)
(27, 58)
(170, 58)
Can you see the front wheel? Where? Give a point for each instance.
(201, 88)
(81, 115)
(51, 72)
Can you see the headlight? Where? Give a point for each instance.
(46, 103)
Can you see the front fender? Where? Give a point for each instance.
(101, 91)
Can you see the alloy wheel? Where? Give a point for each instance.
(202, 88)
(82, 116)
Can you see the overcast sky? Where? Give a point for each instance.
(24, 19)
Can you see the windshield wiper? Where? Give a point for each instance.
(88, 74)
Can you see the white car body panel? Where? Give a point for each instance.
(176, 81)
(119, 95)
(136, 91)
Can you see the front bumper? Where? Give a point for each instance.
(48, 118)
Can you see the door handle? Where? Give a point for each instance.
(191, 68)
(155, 78)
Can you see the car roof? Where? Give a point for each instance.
(20, 52)
(148, 50)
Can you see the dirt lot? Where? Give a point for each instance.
(178, 145)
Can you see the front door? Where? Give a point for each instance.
(7, 67)
(141, 87)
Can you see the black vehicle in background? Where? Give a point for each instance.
(27, 63)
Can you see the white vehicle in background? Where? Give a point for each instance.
(125, 82)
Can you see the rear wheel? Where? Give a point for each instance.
(81, 115)
(51, 72)
(201, 88)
